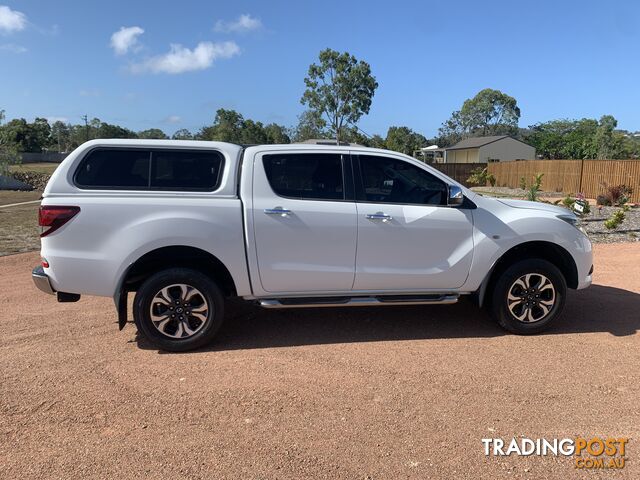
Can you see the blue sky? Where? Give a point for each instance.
(559, 59)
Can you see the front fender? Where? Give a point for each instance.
(499, 230)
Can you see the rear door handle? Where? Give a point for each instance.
(283, 212)
(379, 216)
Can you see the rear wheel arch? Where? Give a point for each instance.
(178, 256)
(548, 251)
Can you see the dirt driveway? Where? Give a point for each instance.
(397, 392)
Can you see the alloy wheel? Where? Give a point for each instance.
(179, 311)
(531, 297)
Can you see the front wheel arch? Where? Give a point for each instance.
(551, 252)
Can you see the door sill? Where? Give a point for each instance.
(378, 300)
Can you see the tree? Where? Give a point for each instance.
(405, 140)
(8, 156)
(26, 137)
(276, 134)
(377, 141)
(40, 133)
(354, 135)
(490, 112)
(227, 127)
(153, 133)
(61, 136)
(182, 134)
(451, 131)
(310, 125)
(584, 138)
(630, 144)
(100, 129)
(252, 133)
(608, 143)
(340, 88)
(231, 126)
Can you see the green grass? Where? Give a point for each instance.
(46, 167)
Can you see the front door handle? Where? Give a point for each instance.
(283, 212)
(379, 216)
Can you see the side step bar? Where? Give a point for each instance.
(436, 299)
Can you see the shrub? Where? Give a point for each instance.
(523, 183)
(568, 202)
(481, 176)
(615, 220)
(534, 189)
(602, 201)
(532, 194)
(537, 180)
(617, 194)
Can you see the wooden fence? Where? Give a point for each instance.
(458, 171)
(571, 176)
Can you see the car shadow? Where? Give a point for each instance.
(596, 309)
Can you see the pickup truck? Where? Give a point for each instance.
(187, 224)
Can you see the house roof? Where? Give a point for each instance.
(477, 142)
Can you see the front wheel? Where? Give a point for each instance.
(528, 296)
(178, 309)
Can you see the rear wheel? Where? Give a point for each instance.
(528, 296)
(179, 309)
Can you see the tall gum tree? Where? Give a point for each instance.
(339, 88)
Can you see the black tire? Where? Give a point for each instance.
(207, 290)
(531, 298)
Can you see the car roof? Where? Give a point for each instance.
(131, 142)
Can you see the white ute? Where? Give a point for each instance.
(185, 224)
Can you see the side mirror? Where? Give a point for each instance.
(455, 196)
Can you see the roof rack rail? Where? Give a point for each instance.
(327, 141)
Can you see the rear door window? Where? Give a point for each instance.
(306, 176)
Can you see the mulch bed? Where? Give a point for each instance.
(593, 223)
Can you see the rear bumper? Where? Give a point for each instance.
(41, 280)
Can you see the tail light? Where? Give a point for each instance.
(51, 218)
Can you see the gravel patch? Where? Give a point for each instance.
(593, 223)
(628, 231)
(517, 193)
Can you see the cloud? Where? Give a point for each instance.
(13, 48)
(244, 23)
(125, 39)
(11, 20)
(180, 59)
(173, 119)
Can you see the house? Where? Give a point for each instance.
(430, 154)
(499, 148)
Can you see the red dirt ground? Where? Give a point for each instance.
(396, 392)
